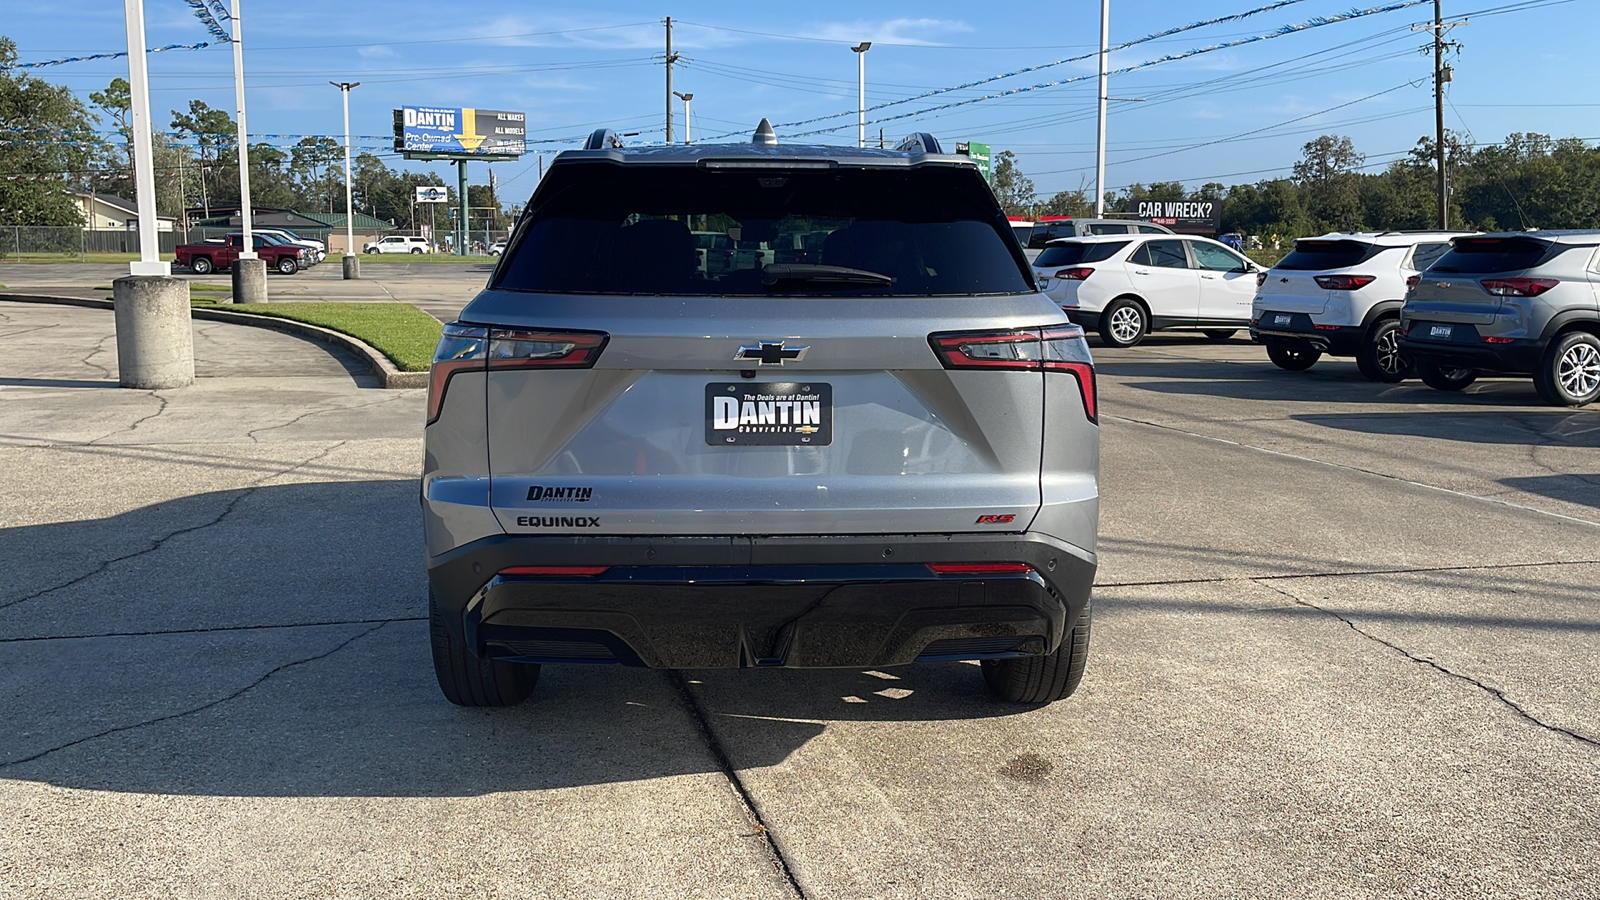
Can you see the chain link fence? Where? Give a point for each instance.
(70, 242)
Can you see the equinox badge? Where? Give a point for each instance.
(770, 353)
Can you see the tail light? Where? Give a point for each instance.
(1077, 273)
(1261, 278)
(1413, 281)
(1053, 348)
(1498, 340)
(979, 568)
(465, 348)
(1344, 282)
(1518, 287)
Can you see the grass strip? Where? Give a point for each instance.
(193, 288)
(400, 331)
(426, 258)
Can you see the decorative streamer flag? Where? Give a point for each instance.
(72, 59)
(202, 13)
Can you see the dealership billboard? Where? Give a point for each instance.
(428, 193)
(1183, 216)
(459, 131)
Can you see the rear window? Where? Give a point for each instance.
(1483, 256)
(1074, 254)
(1312, 256)
(643, 230)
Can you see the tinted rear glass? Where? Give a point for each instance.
(1315, 256)
(610, 229)
(1074, 254)
(1482, 256)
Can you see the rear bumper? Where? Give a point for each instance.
(729, 602)
(1301, 330)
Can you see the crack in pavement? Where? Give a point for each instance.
(775, 853)
(160, 542)
(201, 708)
(251, 434)
(219, 629)
(1355, 573)
(139, 421)
(1487, 689)
(100, 348)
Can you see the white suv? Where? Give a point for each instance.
(1129, 285)
(397, 243)
(1341, 294)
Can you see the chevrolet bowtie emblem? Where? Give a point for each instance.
(770, 353)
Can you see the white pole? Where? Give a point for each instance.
(248, 251)
(1100, 141)
(861, 91)
(149, 262)
(349, 206)
(686, 138)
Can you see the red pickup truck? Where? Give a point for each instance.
(205, 258)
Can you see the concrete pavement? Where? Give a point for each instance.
(1344, 645)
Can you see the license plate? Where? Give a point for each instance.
(1441, 331)
(1282, 320)
(791, 413)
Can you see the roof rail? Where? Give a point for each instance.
(920, 141)
(602, 139)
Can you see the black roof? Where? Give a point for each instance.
(916, 150)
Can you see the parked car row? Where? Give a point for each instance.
(1437, 305)
(277, 252)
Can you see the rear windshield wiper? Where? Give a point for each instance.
(772, 273)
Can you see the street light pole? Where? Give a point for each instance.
(685, 98)
(1100, 140)
(351, 262)
(861, 91)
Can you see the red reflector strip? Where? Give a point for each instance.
(1498, 340)
(1326, 327)
(554, 570)
(979, 568)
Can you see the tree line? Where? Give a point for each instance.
(1525, 181)
(51, 141)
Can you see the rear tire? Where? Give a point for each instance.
(1569, 374)
(1124, 323)
(1445, 378)
(1218, 335)
(1042, 679)
(416, 250)
(201, 265)
(1379, 357)
(470, 680)
(1293, 359)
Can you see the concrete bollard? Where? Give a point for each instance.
(352, 267)
(155, 337)
(250, 281)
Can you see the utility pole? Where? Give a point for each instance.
(352, 263)
(861, 91)
(1100, 140)
(671, 58)
(1442, 75)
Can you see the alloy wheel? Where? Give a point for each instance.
(1579, 370)
(1126, 324)
(1388, 352)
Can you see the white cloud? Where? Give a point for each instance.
(926, 32)
(376, 51)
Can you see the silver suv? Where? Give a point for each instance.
(1340, 294)
(1520, 303)
(885, 454)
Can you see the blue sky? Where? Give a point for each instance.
(1525, 66)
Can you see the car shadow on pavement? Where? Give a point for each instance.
(1534, 428)
(272, 642)
(1571, 488)
(1241, 383)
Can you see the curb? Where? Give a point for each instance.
(377, 363)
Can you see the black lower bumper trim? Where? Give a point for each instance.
(801, 602)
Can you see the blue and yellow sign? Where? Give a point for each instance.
(459, 130)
